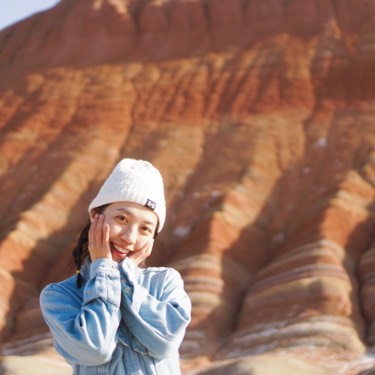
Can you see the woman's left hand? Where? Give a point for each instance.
(138, 256)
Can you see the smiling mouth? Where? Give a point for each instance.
(120, 249)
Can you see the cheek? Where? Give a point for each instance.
(114, 228)
(142, 241)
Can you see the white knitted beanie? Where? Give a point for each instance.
(135, 181)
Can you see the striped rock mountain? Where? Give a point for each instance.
(260, 114)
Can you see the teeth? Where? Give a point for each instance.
(120, 249)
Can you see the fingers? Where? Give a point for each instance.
(95, 232)
(106, 233)
(99, 239)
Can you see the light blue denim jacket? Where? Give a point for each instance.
(123, 320)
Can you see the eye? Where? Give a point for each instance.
(147, 229)
(122, 218)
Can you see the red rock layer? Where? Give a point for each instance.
(260, 116)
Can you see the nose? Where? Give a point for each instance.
(129, 234)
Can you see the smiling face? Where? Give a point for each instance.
(131, 226)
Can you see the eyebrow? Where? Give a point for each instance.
(129, 212)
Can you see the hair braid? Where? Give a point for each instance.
(81, 251)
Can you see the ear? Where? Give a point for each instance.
(92, 215)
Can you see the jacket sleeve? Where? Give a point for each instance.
(157, 320)
(85, 329)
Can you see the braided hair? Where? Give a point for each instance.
(81, 251)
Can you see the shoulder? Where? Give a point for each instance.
(61, 291)
(62, 285)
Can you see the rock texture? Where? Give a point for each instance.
(260, 115)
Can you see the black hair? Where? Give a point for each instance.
(81, 250)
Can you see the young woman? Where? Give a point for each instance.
(115, 317)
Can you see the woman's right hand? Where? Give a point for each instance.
(99, 239)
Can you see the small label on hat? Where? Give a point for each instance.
(150, 204)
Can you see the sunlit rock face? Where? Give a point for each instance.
(260, 116)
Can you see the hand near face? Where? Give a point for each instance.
(138, 256)
(99, 239)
